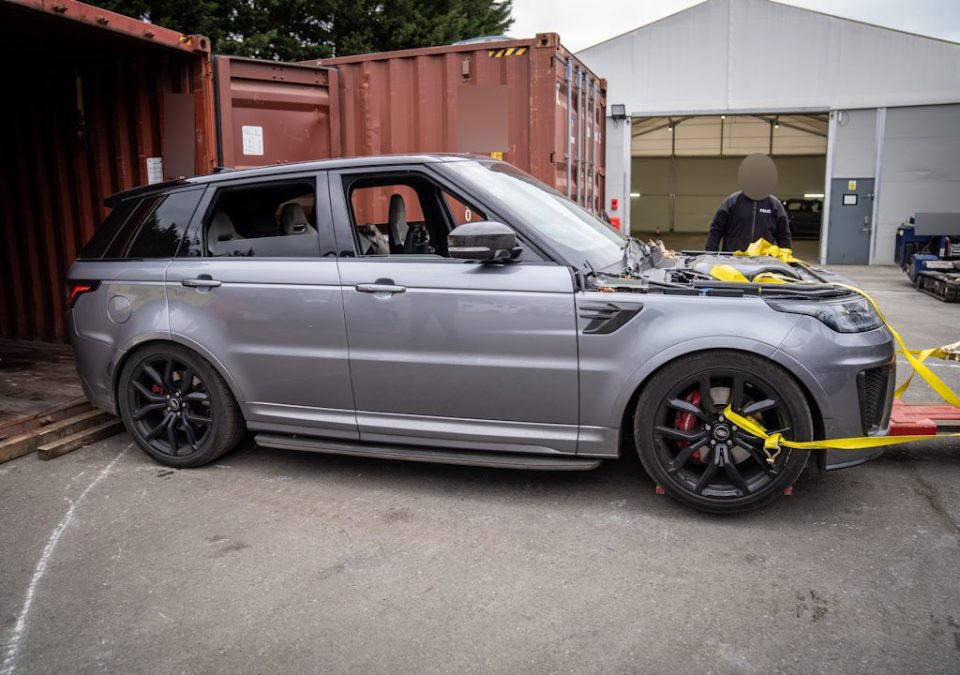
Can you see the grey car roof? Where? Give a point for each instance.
(291, 167)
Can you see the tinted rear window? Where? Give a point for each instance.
(107, 232)
(165, 227)
(121, 242)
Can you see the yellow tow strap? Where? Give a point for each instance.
(763, 247)
(775, 442)
(915, 358)
(947, 353)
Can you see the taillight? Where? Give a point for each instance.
(77, 288)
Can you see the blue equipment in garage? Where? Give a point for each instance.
(928, 250)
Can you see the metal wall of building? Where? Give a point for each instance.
(84, 119)
(913, 155)
(854, 143)
(755, 55)
(618, 172)
(919, 169)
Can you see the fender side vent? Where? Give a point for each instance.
(606, 318)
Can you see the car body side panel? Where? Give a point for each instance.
(483, 356)
(277, 326)
(128, 308)
(613, 366)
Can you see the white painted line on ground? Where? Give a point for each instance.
(16, 633)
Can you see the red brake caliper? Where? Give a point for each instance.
(685, 421)
(155, 388)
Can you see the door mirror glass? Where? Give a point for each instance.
(485, 240)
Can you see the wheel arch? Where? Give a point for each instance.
(196, 349)
(629, 409)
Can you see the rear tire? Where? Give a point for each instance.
(701, 459)
(177, 407)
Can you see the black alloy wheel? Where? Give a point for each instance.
(703, 459)
(177, 407)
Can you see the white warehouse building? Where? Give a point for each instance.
(863, 122)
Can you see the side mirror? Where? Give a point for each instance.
(485, 240)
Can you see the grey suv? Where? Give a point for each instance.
(454, 309)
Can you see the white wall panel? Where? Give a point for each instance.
(618, 170)
(855, 145)
(755, 55)
(920, 170)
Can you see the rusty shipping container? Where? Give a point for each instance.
(270, 112)
(529, 102)
(97, 102)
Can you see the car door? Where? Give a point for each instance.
(448, 352)
(258, 292)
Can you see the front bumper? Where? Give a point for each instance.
(851, 377)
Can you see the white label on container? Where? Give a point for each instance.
(252, 140)
(154, 170)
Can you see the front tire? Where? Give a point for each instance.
(703, 460)
(177, 407)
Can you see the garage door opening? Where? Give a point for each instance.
(683, 167)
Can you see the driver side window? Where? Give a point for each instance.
(404, 215)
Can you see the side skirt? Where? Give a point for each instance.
(413, 454)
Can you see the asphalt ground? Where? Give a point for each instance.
(274, 561)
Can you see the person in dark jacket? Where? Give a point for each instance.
(751, 213)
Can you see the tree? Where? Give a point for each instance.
(298, 30)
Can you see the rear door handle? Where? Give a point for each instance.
(380, 288)
(203, 281)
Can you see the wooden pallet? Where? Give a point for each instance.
(56, 431)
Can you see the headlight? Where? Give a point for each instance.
(844, 315)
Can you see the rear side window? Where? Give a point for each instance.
(277, 220)
(108, 230)
(163, 230)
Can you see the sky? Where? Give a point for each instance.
(582, 23)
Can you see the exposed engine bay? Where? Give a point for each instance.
(651, 267)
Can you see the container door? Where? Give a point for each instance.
(259, 294)
(449, 352)
(851, 210)
(273, 113)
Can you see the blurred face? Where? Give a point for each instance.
(758, 176)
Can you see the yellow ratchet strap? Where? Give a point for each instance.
(763, 247)
(915, 358)
(775, 442)
(728, 273)
(928, 375)
(947, 353)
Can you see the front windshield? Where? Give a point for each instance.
(575, 234)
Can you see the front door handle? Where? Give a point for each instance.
(203, 281)
(380, 288)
